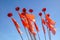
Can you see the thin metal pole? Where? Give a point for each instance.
(21, 37)
(30, 35)
(26, 33)
(43, 30)
(48, 29)
(34, 37)
(29, 26)
(38, 36)
(49, 34)
(24, 27)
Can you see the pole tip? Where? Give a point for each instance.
(9, 14)
(43, 9)
(24, 9)
(17, 8)
(30, 10)
(40, 14)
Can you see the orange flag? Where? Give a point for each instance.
(17, 25)
(43, 29)
(54, 31)
(50, 20)
(27, 23)
(37, 29)
(43, 21)
(50, 24)
(24, 20)
(51, 28)
(32, 18)
(31, 28)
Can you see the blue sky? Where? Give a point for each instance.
(7, 28)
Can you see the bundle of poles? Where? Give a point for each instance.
(30, 27)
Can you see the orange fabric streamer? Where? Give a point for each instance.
(51, 28)
(54, 31)
(17, 25)
(24, 20)
(32, 18)
(30, 22)
(31, 27)
(50, 20)
(43, 21)
(43, 29)
(36, 27)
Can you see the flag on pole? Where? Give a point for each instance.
(50, 20)
(15, 23)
